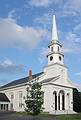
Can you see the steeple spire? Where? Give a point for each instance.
(55, 54)
(54, 30)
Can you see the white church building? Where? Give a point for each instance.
(58, 89)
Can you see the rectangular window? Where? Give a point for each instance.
(20, 99)
(12, 99)
(12, 96)
(20, 95)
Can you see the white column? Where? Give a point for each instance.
(5, 106)
(66, 105)
(60, 101)
(57, 100)
(68, 102)
(71, 100)
(54, 102)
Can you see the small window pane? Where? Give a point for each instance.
(51, 58)
(58, 48)
(60, 58)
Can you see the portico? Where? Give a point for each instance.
(4, 102)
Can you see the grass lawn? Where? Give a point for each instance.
(69, 117)
(57, 117)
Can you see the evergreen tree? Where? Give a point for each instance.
(76, 100)
(34, 100)
(80, 101)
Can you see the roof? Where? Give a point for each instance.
(50, 79)
(3, 98)
(20, 81)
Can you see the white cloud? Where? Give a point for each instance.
(44, 3)
(72, 38)
(44, 20)
(77, 28)
(12, 34)
(39, 3)
(12, 13)
(72, 42)
(67, 50)
(69, 8)
(43, 54)
(78, 74)
(8, 67)
(7, 62)
(66, 13)
(65, 7)
(74, 5)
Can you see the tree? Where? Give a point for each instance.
(34, 100)
(76, 100)
(80, 101)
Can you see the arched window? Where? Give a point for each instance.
(51, 58)
(55, 99)
(60, 58)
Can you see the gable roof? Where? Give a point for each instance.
(50, 79)
(3, 98)
(20, 81)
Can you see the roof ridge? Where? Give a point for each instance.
(20, 81)
(49, 79)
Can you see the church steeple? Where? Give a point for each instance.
(55, 54)
(54, 30)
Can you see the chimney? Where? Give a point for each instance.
(30, 74)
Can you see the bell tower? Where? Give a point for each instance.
(55, 54)
(55, 57)
(56, 66)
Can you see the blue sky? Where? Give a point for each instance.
(25, 32)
